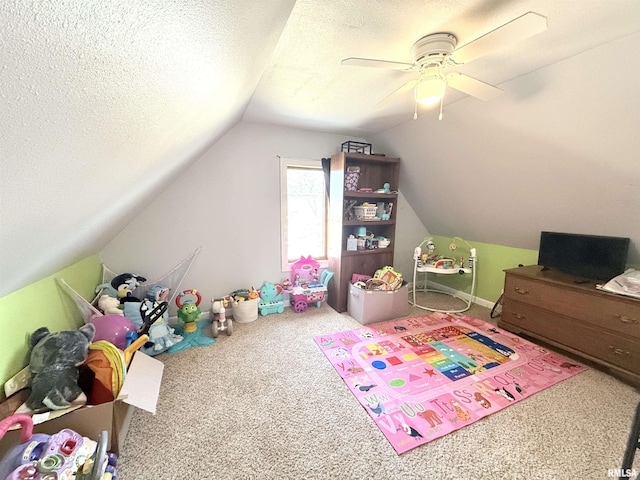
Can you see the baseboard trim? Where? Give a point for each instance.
(465, 296)
(173, 321)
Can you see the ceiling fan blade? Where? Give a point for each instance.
(472, 86)
(518, 29)
(371, 62)
(396, 93)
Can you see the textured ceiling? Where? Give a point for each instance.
(104, 103)
(306, 85)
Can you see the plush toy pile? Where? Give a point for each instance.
(148, 315)
(59, 361)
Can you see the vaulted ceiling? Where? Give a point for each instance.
(104, 103)
(306, 85)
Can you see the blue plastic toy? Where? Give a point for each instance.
(189, 313)
(270, 299)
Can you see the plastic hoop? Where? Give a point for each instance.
(25, 421)
(193, 292)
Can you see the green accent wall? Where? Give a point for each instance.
(492, 261)
(42, 304)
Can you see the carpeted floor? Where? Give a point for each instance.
(265, 404)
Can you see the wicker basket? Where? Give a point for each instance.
(365, 211)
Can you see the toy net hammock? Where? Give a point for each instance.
(172, 279)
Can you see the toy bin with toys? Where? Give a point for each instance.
(140, 389)
(383, 297)
(244, 305)
(81, 384)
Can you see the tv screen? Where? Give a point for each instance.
(594, 257)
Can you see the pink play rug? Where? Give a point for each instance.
(422, 378)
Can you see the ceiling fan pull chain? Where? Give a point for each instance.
(442, 101)
(415, 110)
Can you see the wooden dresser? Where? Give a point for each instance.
(555, 308)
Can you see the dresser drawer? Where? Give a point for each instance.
(597, 308)
(607, 346)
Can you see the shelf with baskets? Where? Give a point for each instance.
(362, 201)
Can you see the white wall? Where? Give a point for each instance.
(228, 202)
(557, 151)
(409, 234)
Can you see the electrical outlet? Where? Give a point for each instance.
(19, 381)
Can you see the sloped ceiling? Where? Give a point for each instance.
(104, 103)
(558, 152)
(305, 84)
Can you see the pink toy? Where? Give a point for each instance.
(301, 297)
(308, 285)
(305, 271)
(30, 447)
(113, 328)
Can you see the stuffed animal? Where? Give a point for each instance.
(144, 314)
(125, 284)
(109, 305)
(55, 358)
(106, 289)
(161, 335)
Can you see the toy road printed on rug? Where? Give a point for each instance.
(422, 378)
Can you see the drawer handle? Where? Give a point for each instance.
(521, 291)
(518, 316)
(619, 351)
(625, 319)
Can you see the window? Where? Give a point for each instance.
(304, 211)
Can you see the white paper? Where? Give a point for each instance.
(627, 283)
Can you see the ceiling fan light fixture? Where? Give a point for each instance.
(430, 91)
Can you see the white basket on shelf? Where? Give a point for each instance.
(365, 211)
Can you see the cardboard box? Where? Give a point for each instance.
(371, 306)
(140, 390)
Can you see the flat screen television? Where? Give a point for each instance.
(592, 257)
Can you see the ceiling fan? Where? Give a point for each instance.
(434, 54)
